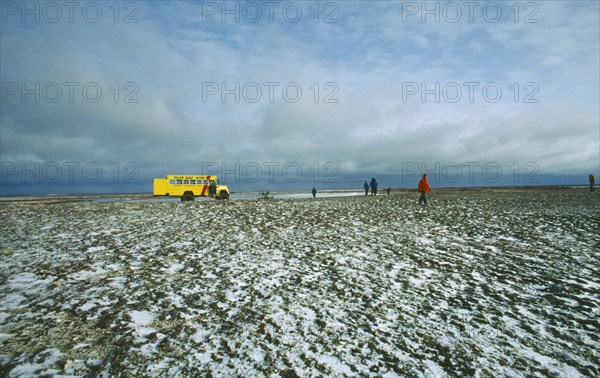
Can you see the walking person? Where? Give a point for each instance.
(314, 192)
(366, 186)
(592, 181)
(212, 188)
(423, 188)
(373, 187)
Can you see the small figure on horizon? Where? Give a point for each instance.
(388, 191)
(366, 186)
(423, 188)
(373, 187)
(314, 192)
(592, 181)
(212, 188)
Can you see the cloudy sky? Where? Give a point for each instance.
(298, 93)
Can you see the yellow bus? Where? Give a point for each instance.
(189, 186)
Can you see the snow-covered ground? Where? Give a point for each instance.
(479, 283)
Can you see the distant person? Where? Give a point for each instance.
(423, 188)
(314, 192)
(373, 187)
(366, 186)
(212, 188)
(388, 191)
(592, 181)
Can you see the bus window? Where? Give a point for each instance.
(186, 182)
(171, 182)
(192, 182)
(179, 182)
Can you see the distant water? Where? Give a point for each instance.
(248, 195)
(145, 197)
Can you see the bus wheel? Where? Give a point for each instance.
(187, 197)
(224, 195)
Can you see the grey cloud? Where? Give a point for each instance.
(368, 55)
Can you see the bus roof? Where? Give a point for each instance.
(191, 177)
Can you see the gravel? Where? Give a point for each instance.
(477, 283)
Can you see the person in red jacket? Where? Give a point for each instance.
(592, 181)
(423, 188)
